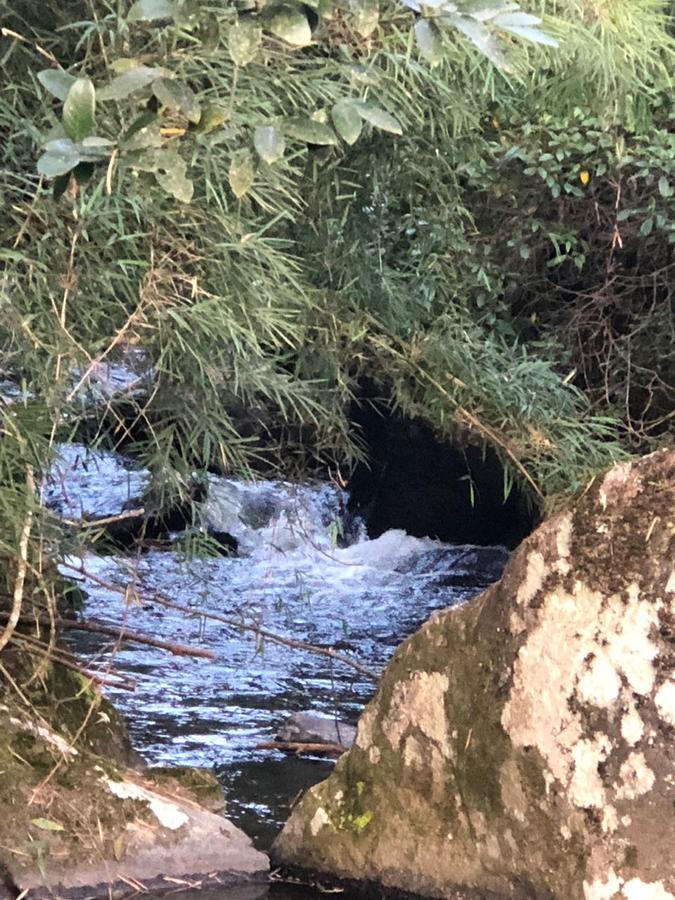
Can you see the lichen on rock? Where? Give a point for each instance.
(522, 745)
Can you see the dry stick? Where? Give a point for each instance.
(107, 520)
(19, 581)
(237, 624)
(35, 646)
(303, 747)
(134, 637)
(120, 631)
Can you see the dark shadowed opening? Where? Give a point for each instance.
(432, 488)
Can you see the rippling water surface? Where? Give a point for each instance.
(289, 576)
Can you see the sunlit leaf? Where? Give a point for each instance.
(379, 118)
(241, 173)
(151, 10)
(429, 40)
(269, 143)
(290, 24)
(79, 108)
(528, 33)
(129, 82)
(212, 117)
(177, 95)
(664, 187)
(244, 41)
(59, 157)
(170, 174)
(57, 81)
(484, 10)
(310, 131)
(347, 121)
(47, 824)
(479, 36)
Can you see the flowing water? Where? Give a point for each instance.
(304, 571)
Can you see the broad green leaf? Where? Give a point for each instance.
(242, 173)
(429, 40)
(365, 16)
(57, 81)
(93, 149)
(244, 41)
(305, 129)
(664, 187)
(347, 120)
(378, 118)
(212, 117)
(151, 10)
(53, 163)
(79, 109)
(479, 36)
(290, 24)
(269, 143)
(170, 174)
(47, 824)
(176, 95)
(129, 82)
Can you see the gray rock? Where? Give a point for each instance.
(521, 746)
(313, 728)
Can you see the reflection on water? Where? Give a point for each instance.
(365, 597)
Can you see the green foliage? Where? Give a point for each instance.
(274, 203)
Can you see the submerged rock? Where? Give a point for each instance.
(521, 746)
(312, 728)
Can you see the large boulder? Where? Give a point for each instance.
(521, 746)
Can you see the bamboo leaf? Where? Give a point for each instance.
(429, 40)
(479, 36)
(241, 173)
(347, 121)
(309, 131)
(57, 81)
(151, 10)
(531, 34)
(378, 118)
(177, 95)
(244, 41)
(122, 86)
(269, 143)
(47, 824)
(79, 109)
(290, 24)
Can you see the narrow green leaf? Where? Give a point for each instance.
(177, 95)
(309, 131)
(57, 81)
(290, 24)
(241, 173)
(429, 40)
(122, 86)
(646, 227)
(378, 118)
(531, 34)
(244, 41)
(151, 10)
(269, 143)
(47, 824)
(79, 109)
(347, 120)
(516, 20)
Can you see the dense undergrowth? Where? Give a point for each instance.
(278, 202)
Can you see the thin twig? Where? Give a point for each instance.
(22, 563)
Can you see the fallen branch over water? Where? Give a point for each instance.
(302, 747)
(238, 624)
(122, 633)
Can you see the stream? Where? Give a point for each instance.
(304, 569)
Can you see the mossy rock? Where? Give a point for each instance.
(520, 746)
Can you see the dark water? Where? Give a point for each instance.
(365, 597)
